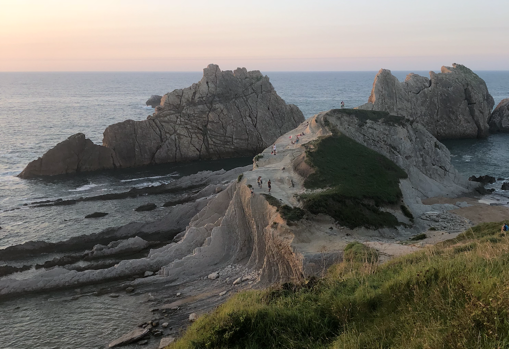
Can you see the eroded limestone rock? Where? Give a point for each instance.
(452, 104)
(499, 119)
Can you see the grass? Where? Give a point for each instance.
(357, 181)
(376, 116)
(452, 295)
(272, 200)
(291, 214)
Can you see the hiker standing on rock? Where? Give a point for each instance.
(259, 181)
(274, 149)
(269, 185)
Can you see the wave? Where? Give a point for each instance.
(86, 187)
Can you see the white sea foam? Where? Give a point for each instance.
(86, 187)
(174, 174)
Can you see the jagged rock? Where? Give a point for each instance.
(499, 119)
(147, 207)
(226, 114)
(483, 179)
(165, 342)
(130, 337)
(452, 104)
(75, 154)
(505, 186)
(213, 276)
(96, 215)
(154, 101)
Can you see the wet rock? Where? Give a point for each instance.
(154, 101)
(147, 207)
(143, 342)
(7, 269)
(148, 273)
(505, 186)
(213, 276)
(96, 215)
(165, 342)
(454, 103)
(165, 324)
(129, 289)
(114, 295)
(193, 317)
(130, 337)
(483, 179)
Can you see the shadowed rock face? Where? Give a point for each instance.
(499, 119)
(452, 104)
(226, 114)
(75, 154)
(154, 101)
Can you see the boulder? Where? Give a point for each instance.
(147, 207)
(193, 317)
(96, 215)
(130, 337)
(226, 114)
(213, 276)
(154, 101)
(483, 179)
(499, 119)
(452, 104)
(505, 186)
(74, 155)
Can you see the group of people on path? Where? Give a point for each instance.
(260, 183)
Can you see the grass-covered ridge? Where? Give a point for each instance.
(363, 116)
(455, 295)
(357, 181)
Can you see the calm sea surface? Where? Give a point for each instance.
(38, 110)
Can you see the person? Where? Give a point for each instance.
(342, 104)
(252, 191)
(274, 149)
(259, 181)
(505, 228)
(269, 185)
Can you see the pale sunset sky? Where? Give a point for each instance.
(268, 35)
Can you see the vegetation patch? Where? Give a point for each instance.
(363, 116)
(239, 178)
(357, 181)
(357, 252)
(440, 297)
(272, 200)
(291, 214)
(258, 157)
(407, 212)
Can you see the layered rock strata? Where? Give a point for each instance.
(499, 119)
(452, 104)
(226, 114)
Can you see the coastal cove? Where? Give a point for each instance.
(38, 110)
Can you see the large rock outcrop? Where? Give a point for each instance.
(154, 101)
(75, 154)
(499, 119)
(452, 104)
(227, 114)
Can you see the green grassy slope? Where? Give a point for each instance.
(454, 295)
(357, 181)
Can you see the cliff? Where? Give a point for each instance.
(452, 104)
(226, 114)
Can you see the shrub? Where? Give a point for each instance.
(291, 214)
(418, 237)
(239, 178)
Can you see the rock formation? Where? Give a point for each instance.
(499, 119)
(75, 154)
(226, 114)
(154, 101)
(452, 104)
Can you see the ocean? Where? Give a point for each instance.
(38, 110)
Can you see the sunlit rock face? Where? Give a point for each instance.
(452, 104)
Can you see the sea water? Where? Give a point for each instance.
(38, 110)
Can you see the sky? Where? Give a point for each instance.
(274, 35)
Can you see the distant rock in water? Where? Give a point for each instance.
(154, 101)
(483, 179)
(75, 154)
(505, 186)
(226, 114)
(452, 104)
(499, 119)
(96, 215)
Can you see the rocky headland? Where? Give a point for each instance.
(499, 119)
(454, 103)
(226, 114)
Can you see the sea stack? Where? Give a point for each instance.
(452, 104)
(226, 114)
(499, 119)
